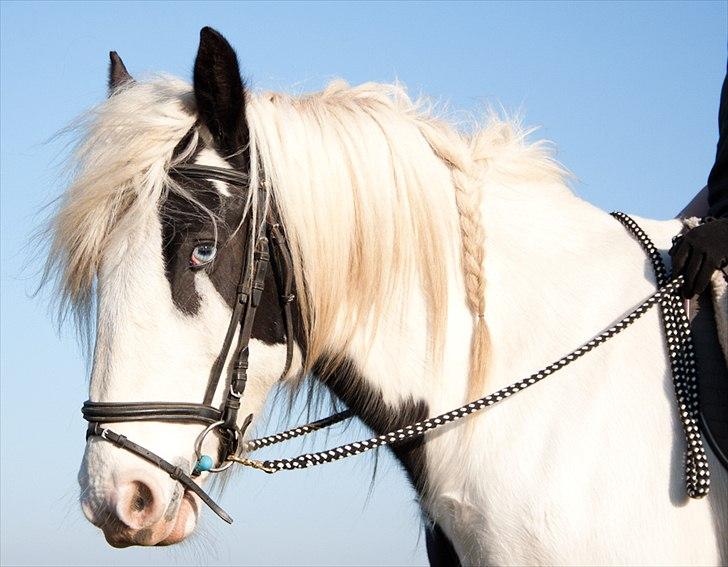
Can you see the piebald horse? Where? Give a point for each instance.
(430, 268)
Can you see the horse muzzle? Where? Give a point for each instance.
(137, 505)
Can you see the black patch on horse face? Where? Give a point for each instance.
(185, 226)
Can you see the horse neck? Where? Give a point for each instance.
(558, 270)
(389, 380)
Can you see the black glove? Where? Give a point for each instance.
(699, 253)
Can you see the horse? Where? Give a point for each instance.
(428, 267)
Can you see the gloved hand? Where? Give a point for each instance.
(699, 253)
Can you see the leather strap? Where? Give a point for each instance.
(217, 368)
(100, 412)
(95, 430)
(258, 254)
(285, 285)
(239, 376)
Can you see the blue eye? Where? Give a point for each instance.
(203, 254)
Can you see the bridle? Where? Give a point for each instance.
(266, 247)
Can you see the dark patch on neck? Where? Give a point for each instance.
(440, 550)
(352, 388)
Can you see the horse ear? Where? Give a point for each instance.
(118, 75)
(219, 91)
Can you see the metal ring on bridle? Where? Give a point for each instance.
(201, 438)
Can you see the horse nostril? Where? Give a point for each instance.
(137, 506)
(143, 497)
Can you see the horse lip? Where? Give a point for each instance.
(188, 508)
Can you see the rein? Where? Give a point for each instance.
(268, 246)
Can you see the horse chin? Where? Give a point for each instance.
(186, 520)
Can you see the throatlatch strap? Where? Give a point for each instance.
(284, 274)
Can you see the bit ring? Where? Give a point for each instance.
(201, 438)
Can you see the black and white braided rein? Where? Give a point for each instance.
(682, 361)
(681, 352)
(255, 444)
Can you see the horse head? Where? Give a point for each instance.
(172, 252)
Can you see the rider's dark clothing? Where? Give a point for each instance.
(704, 249)
(718, 178)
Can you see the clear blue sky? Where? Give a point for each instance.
(628, 92)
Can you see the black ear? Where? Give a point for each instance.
(118, 75)
(220, 93)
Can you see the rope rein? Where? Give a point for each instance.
(682, 362)
(681, 353)
(255, 444)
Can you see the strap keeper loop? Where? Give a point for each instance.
(119, 440)
(94, 429)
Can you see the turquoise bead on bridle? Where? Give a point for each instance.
(204, 463)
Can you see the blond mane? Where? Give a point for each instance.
(377, 196)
